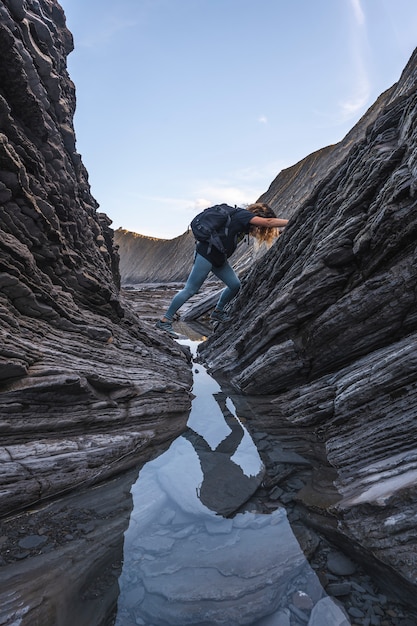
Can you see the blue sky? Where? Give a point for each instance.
(182, 104)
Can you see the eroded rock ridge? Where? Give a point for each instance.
(85, 389)
(325, 329)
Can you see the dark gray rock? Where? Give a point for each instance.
(86, 388)
(32, 541)
(325, 333)
(339, 589)
(340, 565)
(76, 582)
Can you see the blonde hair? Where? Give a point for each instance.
(263, 234)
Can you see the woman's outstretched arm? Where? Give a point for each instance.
(268, 222)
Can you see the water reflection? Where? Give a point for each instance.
(73, 577)
(185, 563)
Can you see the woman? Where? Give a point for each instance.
(258, 220)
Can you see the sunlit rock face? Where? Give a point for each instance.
(151, 260)
(148, 259)
(85, 387)
(325, 329)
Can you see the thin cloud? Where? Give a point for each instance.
(237, 187)
(263, 119)
(361, 91)
(265, 173)
(105, 32)
(358, 12)
(352, 106)
(217, 195)
(240, 187)
(225, 192)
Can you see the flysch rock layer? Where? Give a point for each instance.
(148, 259)
(86, 390)
(324, 333)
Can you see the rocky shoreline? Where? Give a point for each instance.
(294, 480)
(63, 525)
(59, 528)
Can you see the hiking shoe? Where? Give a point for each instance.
(219, 316)
(167, 327)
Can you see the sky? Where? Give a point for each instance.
(182, 104)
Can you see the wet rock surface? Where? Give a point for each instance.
(82, 536)
(71, 575)
(188, 585)
(300, 479)
(344, 575)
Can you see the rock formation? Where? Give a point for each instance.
(85, 388)
(147, 259)
(325, 334)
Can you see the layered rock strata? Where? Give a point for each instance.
(150, 260)
(85, 388)
(147, 259)
(325, 328)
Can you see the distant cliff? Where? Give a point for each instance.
(147, 259)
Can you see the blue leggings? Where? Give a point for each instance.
(200, 270)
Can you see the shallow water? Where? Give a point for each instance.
(164, 547)
(186, 562)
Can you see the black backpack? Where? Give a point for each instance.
(212, 224)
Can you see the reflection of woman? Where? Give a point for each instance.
(258, 220)
(225, 486)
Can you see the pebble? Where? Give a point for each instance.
(87, 527)
(287, 498)
(302, 601)
(276, 493)
(295, 484)
(303, 617)
(339, 589)
(355, 612)
(340, 564)
(32, 541)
